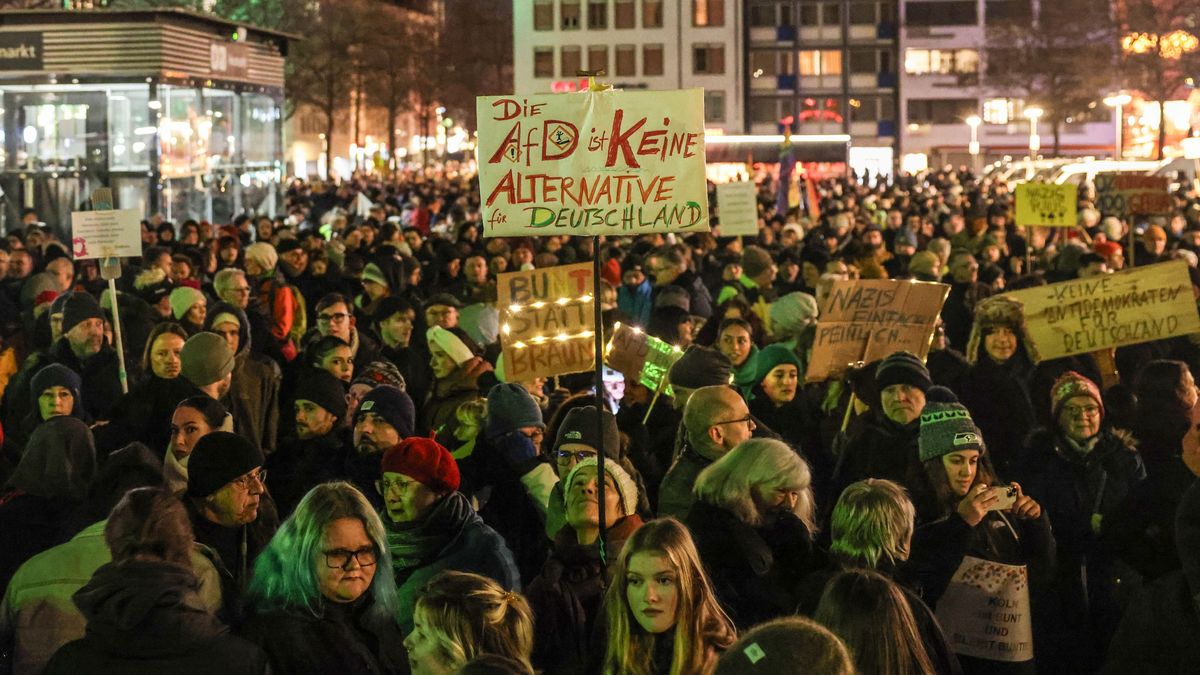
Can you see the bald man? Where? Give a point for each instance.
(716, 420)
(63, 272)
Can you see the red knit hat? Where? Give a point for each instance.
(425, 460)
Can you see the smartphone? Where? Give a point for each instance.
(1006, 496)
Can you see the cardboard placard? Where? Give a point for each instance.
(1127, 194)
(985, 611)
(1049, 205)
(590, 163)
(106, 234)
(868, 319)
(643, 357)
(1147, 303)
(547, 321)
(737, 206)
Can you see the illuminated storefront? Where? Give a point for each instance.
(179, 113)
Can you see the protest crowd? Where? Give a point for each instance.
(325, 461)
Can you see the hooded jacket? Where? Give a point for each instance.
(253, 397)
(147, 617)
(465, 384)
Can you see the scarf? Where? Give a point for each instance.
(415, 545)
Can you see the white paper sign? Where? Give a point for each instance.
(737, 208)
(106, 234)
(985, 611)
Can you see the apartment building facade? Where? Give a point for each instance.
(640, 44)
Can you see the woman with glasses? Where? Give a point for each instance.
(1080, 470)
(754, 523)
(431, 527)
(322, 600)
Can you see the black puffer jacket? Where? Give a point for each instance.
(146, 617)
(344, 639)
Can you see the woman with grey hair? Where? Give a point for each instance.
(753, 523)
(318, 603)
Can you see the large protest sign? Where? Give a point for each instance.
(867, 319)
(1042, 204)
(642, 357)
(1128, 194)
(1086, 315)
(985, 611)
(737, 207)
(548, 326)
(594, 162)
(106, 234)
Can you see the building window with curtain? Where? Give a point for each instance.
(652, 13)
(572, 61)
(708, 59)
(543, 14)
(626, 60)
(652, 59)
(543, 62)
(597, 14)
(708, 13)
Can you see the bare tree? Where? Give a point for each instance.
(1060, 57)
(1160, 50)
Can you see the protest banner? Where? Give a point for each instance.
(737, 209)
(985, 611)
(1127, 194)
(1085, 315)
(106, 234)
(593, 162)
(867, 319)
(1049, 205)
(547, 322)
(641, 357)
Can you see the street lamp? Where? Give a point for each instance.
(1035, 141)
(974, 121)
(1118, 101)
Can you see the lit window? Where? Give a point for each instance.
(652, 14)
(708, 12)
(820, 62)
(1002, 110)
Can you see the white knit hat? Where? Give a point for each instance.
(262, 254)
(626, 486)
(449, 342)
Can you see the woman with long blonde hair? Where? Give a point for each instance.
(662, 616)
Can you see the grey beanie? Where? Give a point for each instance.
(510, 407)
(902, 368)
(206, 358)
(947, 428)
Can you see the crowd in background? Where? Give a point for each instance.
(319, 464)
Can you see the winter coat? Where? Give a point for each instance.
(880, 448)
(756, 572)
(452, 537)
(1075, 488)
(344, 639)
(100, 375)
(1141, 530)
(675, 494)
(302, 464)
(651, 445)
(462, 386)
(566, 598)
(38, 617)
(958, 312)
(233, 550)
(253, 397)
(494, 473)
(700, 301)
(147, 617)
(144, 414)
(635, 303)
(997, 395)
(418, 378)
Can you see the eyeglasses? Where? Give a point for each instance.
(332, 318)
(748, 419)
(535, 436)
(577, 454)
(339, 558)
(240, 290)
(1087, 410)
(384, 485)
(246, 482)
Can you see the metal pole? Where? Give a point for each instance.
(599, 382)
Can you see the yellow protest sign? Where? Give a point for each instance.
(1147, 303)
(1050, 205)
(868, 319)
(593, 162)
(548, 324)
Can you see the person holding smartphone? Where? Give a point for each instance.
(984, 548)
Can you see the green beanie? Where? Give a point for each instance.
(947, 428)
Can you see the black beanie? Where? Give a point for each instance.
(79, 308)
(323, 389)
(902, 368)
(579, 426)
(393, 405)
(700, 367)
(218, 458)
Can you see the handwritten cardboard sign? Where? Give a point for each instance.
(547, 321)
(1085, 315)
(1050, 205)
(985, 611)
(608, 162)
(643, 357)
(1128, 194)
(737, 206)
(868, 319)
(106, 234)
